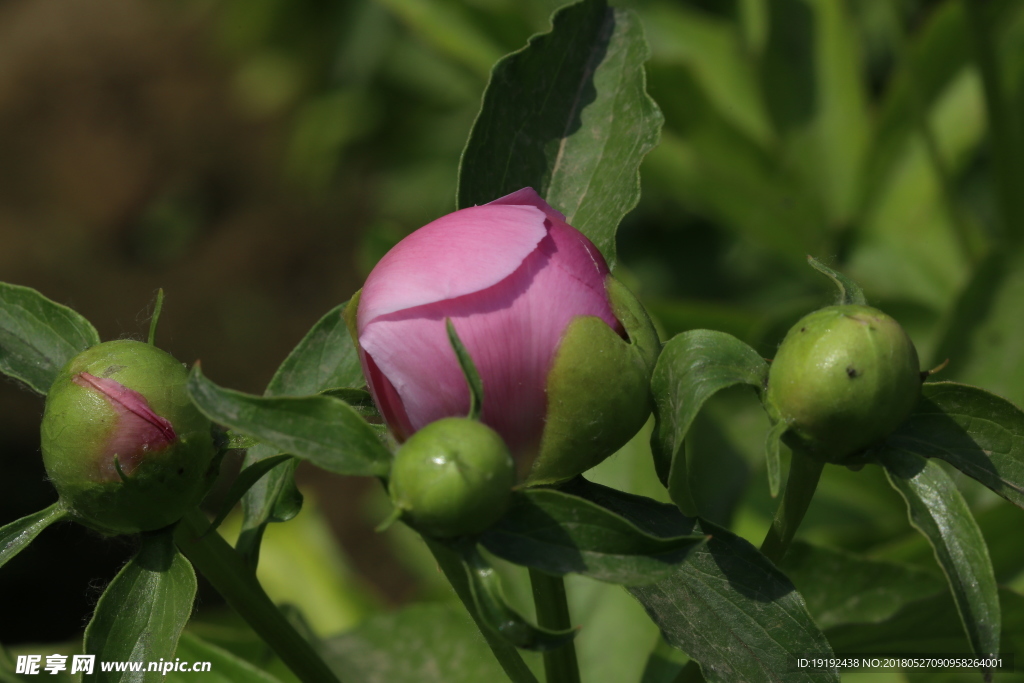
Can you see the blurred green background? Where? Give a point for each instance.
(256, 157)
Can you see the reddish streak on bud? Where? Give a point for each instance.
(138, 431)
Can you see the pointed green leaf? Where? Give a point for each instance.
(559, 533)
(977, 432)
(938, 510)
(16, 536)
(476, 385)
(245, 480)
(727, 606)
(692, 367)
(38, 336)
(849, 291)
(577, 132)
(422, 643)
(141, 614)
(494, 610)
(323, 430)
(326, 358)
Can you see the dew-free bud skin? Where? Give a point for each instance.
(122, 442)
(453, 477)
(843, 378)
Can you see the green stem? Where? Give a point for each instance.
(1004, 138)
(560, 665)
(804, 472)
(234, 579)
(506, 653)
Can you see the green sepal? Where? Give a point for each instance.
(469, 371)
(849, 291)
(494, 610)
(349, 314)
(598, 389)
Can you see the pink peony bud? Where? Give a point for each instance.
(121, 441)
(138, 429)
(512, 276)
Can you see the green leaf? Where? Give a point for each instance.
(142, 612)
(940, 513)
(38, 336)
(576, 133)
(842, 588)
(476, 385)
(359, 399)
(495, 612)
(977, 432)
(692, 367)
(559, 533)
(727, 606)
(225, 667)
(245, 480)
(422, 643)
(273, 498)
(326, 358)
(849, 291)
(16, 536)
(323, 430)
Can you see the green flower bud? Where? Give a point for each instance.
(453, 477)
(122, 442)
(844, 377)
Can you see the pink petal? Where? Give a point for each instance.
(458, 254)
(512, 331)
(529, 197)
(138, 430)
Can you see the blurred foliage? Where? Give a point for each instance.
(256, 157)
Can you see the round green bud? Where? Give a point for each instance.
(844, 377)
(453, 477)
(122, 442)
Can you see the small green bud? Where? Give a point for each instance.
(453, 477)
(844, 377)
(122, 442)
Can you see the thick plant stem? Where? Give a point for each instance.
(804, 472)
(234, 579)
(560, 665)
(504, 651)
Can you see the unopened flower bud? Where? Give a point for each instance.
(564, 351)
(843, 378)
(454, 477)
(122, 443)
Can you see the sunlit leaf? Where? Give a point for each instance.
(576, 133)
